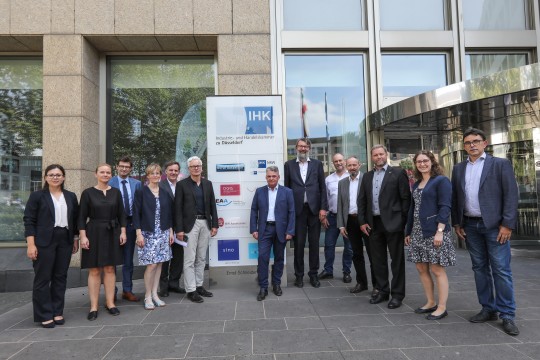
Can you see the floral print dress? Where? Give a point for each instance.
(156, 247)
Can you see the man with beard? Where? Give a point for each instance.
(305, 176)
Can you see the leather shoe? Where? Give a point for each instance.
(314, 281)
(437, 317)
(178, 290)
(113, 311)
(92, 315)
(347, 278)
(394, 303)
(163, 293)
(262, 294)
(299, 282)
(510, 327)
(325, 275)
(276, 289)
(374, 292)
(61, 321)
(203, 292)
(484, 316)
(195, 297)
(379, 298)
(129, 296)
(358, 288)
(425, 311)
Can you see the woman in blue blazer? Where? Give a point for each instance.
(153, 221)
(428, 231)
(50, 226)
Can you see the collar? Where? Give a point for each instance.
(298, 160)
(384, 168)
(120, 179)
(355, 179)
(483, 157)
(170, 183)
(275, 189)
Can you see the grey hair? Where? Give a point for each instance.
(378, 146)
(353, 157)
(194, 158)
(273, 169)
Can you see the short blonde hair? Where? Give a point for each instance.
(104, 164)
(152, 167)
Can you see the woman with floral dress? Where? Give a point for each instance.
(153, 220)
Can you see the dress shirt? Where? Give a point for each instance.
(173, 187)
(473, 172)
(272, 195)
(332, 190)
(303, 173)
(60, 211)
(128, 194)
(353, 195)
(378, 178)
(199, 198)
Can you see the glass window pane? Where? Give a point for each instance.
(158, 109)
(408, 75)
(21, 129)
(478, 65)
(325, 95)
(494, 15)
(322, 15)
(412, 14)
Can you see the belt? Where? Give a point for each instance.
(270, 223)
(472, 218)
(200, 217)
(60, 228)
(353, 215)
(332, 213)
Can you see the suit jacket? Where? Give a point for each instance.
(144, 210)
(185, 211)
(498, 193)
(434, 207)
(283, 212)
(134, 184)
(315, 186)
(394, 199)
(39, 216)
(164, 186)
(343, 200)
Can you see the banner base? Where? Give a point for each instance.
(239, 277)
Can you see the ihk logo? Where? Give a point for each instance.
(259, 120)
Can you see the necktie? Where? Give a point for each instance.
(127, 208)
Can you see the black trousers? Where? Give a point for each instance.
(355, 237)
(308, 224)
(50, 270)
(171, 270)
(380, 241)
(371, 266)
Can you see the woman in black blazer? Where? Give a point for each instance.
(50, 219)
(153, 221)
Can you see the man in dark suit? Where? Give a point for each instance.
(127, 186)
(272, 224)
(383, 206)
(195, 222)
(171, 271)
(484, 213)
(347, 219)
(305, 177)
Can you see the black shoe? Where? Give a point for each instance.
(314, 281)
(195, 297)
(277, 290)
(358, 288)
(61, 321)
(379, 298)
(484, 316)
(437, 317)
(325, 275)
(113, 311)
(374, 292)
(299, 282)
(262, 294)
(48, 325)
(394, 303)
(178, 290)
(92, 315)
(347, 278)
(510, 327)
(203, 292)
(163, 293)
(425, 311)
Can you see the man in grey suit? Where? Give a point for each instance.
(347, 219)
(484, 213)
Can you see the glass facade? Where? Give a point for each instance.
(477, 65)
(157, 109)
(494, 14)
(412, 14)
(322, 15)
(21, 128)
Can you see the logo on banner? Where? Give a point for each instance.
(261, 164)
(229, 190)
(228, 250)
(230, 167)
(220, 222)
(223, 202)
(260, 120)
(253, 251)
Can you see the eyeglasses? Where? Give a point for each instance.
(123, 166)
(474, 142)
(195, 166)
(54, 176)
(303, 146)
(420, 162)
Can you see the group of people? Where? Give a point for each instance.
(171, 222)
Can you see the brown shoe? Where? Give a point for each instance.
(129, 296)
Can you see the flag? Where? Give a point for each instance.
(303, 107)
(326, 117)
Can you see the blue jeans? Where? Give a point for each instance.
(330, 240)
(129, 249)
(491, 266)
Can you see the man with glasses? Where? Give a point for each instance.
(127, 186)
(195, 221)
(484, 213)
(305, 176)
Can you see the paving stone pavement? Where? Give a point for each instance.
(325, 323)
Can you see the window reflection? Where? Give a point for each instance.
(494, 14)
(478, 65)
(412, 14)
(322, 15)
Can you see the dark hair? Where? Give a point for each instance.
(52, 167)
(125, 158)
(305, 139)
(474, 131)
(170, 163)
(436, 169)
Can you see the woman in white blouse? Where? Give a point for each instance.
(50, 219)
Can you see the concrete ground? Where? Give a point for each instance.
(308, 323)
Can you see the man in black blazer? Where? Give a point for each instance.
(305, 176)
(383, 205)
(195, 221)
(171, 271)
